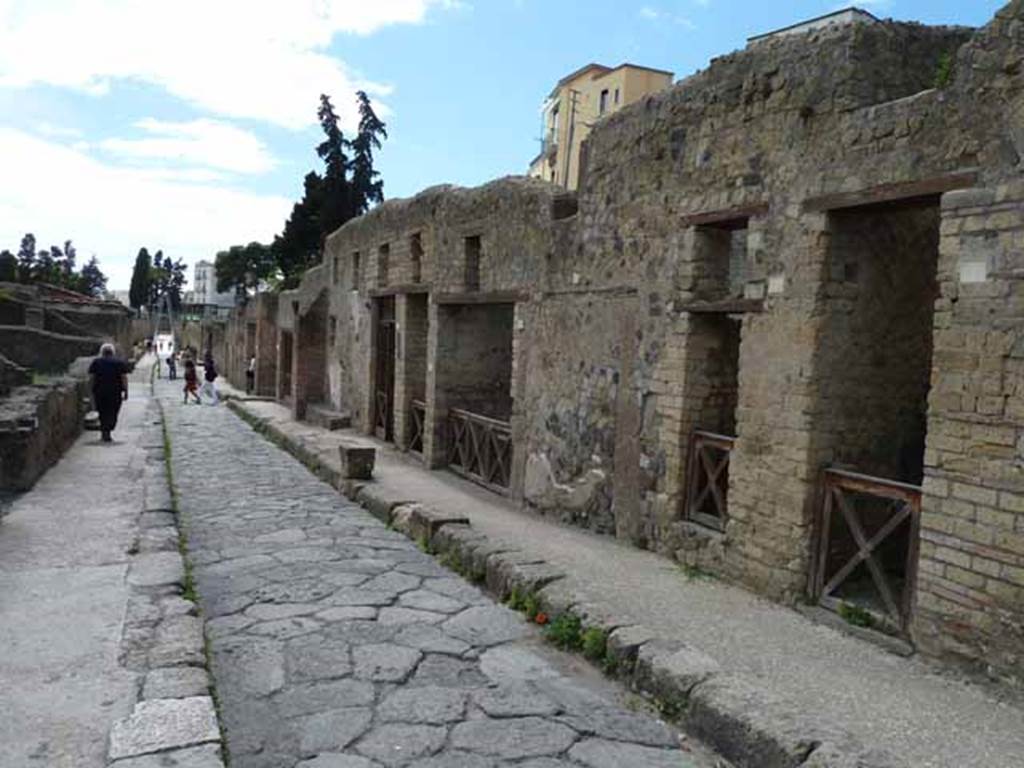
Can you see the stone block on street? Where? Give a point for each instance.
(624, 643)
(178, 641)
(203, 756)
(176, 683)
(356, 461)
(424, 521)
(164, 724)
(157, 569)
(670, 671)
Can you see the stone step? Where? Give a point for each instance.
(322, 416)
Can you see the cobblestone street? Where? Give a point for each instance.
(337, 643)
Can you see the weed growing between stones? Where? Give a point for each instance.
(944, 70)
(856, 616)
(525, 602)
(695, 572)
(594, 644)
(453, 562)
(424, 544)
(566, 632)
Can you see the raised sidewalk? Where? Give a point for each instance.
(759, 681)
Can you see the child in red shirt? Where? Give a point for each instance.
(191, 382)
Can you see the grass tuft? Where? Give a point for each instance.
(565, 632)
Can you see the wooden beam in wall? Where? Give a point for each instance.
(725, 216)
(395, 290)
(904, 191)
(725, 306)
(493, 297)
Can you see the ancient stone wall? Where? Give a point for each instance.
(37, 424)
(12, 375)
(44, 351)
(776, 249)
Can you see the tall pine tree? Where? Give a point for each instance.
(348, 188)
(27, 258)
(367, 186)
(138, 291)
(91, 281)
(337, 204)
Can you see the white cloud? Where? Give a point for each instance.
(654, 14)
(62, 192)
(264, 60)
(207, 143)
(61, 131)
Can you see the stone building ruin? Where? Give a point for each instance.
(776, 336)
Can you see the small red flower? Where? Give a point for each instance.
(541, 618)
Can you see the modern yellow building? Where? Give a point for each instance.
(577, 102)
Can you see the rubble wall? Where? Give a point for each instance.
(638, 320)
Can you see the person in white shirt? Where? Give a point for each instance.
(250, 376)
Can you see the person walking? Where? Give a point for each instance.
(209, 376)
(250, 376)
(109, 379)
(191, 382)
(172, 367)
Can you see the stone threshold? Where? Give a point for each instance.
(174, 720)
(745, 723)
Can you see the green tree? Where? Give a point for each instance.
(167, 277)
(46, 268)
(138, 291)
(348, 188)
(337, 203)
(91, 281)
(367, 186)
(66, 267)
(243, 267)
(27, 258)
(298, 246)
(8, 266)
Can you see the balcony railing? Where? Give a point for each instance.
(418, 415)
(870, 522)
(480, 448)
(708, 479)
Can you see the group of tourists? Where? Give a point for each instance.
(192, 380)
(109, 379)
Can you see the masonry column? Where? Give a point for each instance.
(266, 344)
(435, 448)
(970, 603)
(773, 472)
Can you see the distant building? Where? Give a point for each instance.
(204, 300)
(204, 287)
(577, 102)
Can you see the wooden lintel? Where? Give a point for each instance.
(395, 290)
(724, 307)
(725, 216)
(493, 297)
(889, 193)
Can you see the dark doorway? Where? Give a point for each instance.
(874, 369)
(384, 373)
(286, 364)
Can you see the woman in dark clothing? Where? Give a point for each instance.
(109, 387)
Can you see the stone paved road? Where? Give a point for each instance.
(338, 644)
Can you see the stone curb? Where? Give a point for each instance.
(738, 718)
(174, 720)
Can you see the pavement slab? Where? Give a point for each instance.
(64, 565)
(337, 643)
(922, 714)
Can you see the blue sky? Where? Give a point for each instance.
(188, 126)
